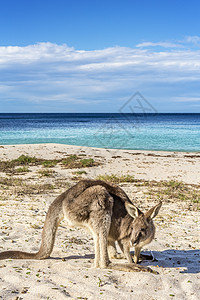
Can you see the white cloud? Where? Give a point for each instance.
(51, 72)
(159, 44)
(55, 58)
(180, 44)
(193, 39)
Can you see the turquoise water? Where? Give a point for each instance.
(171, 132)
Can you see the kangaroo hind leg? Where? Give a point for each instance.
(112, 251)
(100, 220)
(96, 250)
(103, 235)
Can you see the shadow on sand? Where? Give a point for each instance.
(187, 259)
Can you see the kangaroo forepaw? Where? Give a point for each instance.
(146, 257)
(142, 257)
(117, 256)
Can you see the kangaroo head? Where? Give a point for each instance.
(143, 229)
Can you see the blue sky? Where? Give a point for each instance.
(92, 56)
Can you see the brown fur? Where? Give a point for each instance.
(108, 213)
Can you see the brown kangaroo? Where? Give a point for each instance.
(108, 213)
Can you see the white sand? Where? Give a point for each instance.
(176, 246)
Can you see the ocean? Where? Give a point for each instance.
(165, 132)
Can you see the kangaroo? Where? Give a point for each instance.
(108, 213)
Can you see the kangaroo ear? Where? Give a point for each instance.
(152, 213)
(132, 210)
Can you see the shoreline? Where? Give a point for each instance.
(98, 148)
(114, 149)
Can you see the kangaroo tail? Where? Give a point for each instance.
(53, 218)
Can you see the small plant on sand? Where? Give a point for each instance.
(117, 179)
(87, 162)
(20, 187)
(74, 161)
(79, 172)
(50, 163)
(174, 191)
(25, 159)
(22, 170)
(70, 160)
(46, 172)
(173, 184)
(35, 226)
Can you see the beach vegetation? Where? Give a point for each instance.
(74, 161)
(70, 161)
(117, 179)
(25, 159)
(79, 172)
(77, 178)
(35, 226)
(87, 162)
(173, 191)
(46, 172)
(50, 163)
(60, 183)
(18, 186)
(23, 169)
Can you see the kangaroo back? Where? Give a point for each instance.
(82, 185)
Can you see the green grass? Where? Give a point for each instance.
(117, 179)
(174, 190)
(70, 161)
(25, 159)
(50, 163)
(87, 162)
(79, 172)
(74, 161)
(20, 187)
(46, 172)
(22, 170)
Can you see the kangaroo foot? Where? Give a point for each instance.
(131, 268)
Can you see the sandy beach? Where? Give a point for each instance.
(27, 190)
